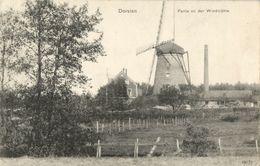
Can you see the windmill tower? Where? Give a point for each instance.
(172, 67)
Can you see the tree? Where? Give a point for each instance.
(172, 96)
(9, 40)
(147, 89)
(56, 42)
(113, 95)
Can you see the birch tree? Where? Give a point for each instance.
(58, 40)
(10, 30)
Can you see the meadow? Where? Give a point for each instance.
(238, 132)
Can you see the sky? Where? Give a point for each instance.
(233, 37)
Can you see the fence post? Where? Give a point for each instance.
(98, 149)
(178, 145)
(119, 126)
(147, 125)
(110, 128)
(157, 123)
(175, 121)
(136, 149)
(97, 127)
(256, 145)
(123, 126)
(164, 123)
(219, 144)
(154, 147)
(129, 123)
(102, 127)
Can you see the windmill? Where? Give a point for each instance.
(172, 67)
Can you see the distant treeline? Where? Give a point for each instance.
(238, 86)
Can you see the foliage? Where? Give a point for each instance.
(196, 141)
(237, 86)
(142, 102)
(172, 96)
(230, 118)
(64, 137)
(147, 89)
(56, 42)
(113, 95)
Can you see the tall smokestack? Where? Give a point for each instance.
(206, 69)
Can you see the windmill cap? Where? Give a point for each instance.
(169, 47)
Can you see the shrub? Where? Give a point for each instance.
(15, 138)
(53, 132)
(196, 141)
(230, 118)
(144, 102)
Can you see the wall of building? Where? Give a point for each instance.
(132, 89)
(167, 74)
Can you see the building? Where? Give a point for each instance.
(170, 66)
(256, 100)
(215, 98)
(133, 88)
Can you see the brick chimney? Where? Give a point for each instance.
(125, 71)
(206, 69)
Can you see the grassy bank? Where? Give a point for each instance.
(207, 161)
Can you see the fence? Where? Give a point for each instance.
(225, 149)
(133, 124)
(137, 146)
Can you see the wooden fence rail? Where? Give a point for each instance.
(221, 148)
(137, 145)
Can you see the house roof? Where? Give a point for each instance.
(227, 95)
(169, 47)
(123, 74)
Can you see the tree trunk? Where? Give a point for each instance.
(39, 63)
(37, 118)
(53, 87)
(2, 83)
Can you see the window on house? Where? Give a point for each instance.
(127, 82)
(167, 74)
(129, 92)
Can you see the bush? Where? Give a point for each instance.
(55, 131)
(196, 141)
(144, 102)
(15, 140)
(230, 118)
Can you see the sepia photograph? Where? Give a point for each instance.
(133, 83)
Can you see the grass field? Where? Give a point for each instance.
(162, 161)
(239, 134)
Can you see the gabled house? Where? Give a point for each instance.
(133, 88)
